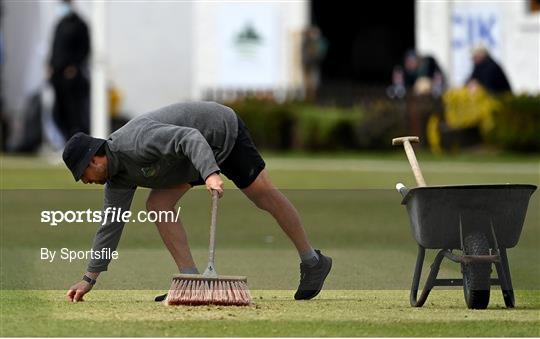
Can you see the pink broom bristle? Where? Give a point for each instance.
(204, 292)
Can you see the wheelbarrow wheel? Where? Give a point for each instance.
(476, 276)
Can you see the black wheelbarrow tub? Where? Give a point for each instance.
(438, 214)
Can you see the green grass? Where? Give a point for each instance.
(325, 171)
(335, 313)
(349, 208)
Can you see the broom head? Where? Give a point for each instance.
(198, 289)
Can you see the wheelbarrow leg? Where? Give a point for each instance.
(416, 277)
(430, 280)
(503, 272)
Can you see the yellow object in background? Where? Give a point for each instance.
(465, 108)
(115, 97)
(434, 134)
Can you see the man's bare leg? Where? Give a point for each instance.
(172, 233)
(315, 266)
(267, 197)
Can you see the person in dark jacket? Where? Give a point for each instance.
(68, 72)
(488, 73)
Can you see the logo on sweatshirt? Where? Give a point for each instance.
(149, 171)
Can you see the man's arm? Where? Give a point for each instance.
(107, 236)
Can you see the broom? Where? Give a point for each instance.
(209, 288)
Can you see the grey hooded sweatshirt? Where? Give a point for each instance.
(176, 144)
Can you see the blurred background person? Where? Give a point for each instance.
(68, 72)
(411, 66)
(430, 73)
(314, 48)
(487, 73)
(421, 74)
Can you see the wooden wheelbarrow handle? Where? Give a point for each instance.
(406, 142)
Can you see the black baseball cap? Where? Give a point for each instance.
(78, 152)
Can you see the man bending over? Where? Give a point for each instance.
(171, 150)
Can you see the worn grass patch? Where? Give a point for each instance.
(274, 313)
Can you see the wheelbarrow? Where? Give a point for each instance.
(472, 225)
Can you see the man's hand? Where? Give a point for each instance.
(214, 182)
(70, 72)
(77, 291)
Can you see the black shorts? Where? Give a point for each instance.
(244, 163)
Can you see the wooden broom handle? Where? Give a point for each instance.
(210, 269)
(406, 142)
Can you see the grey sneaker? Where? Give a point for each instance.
(312, 278)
